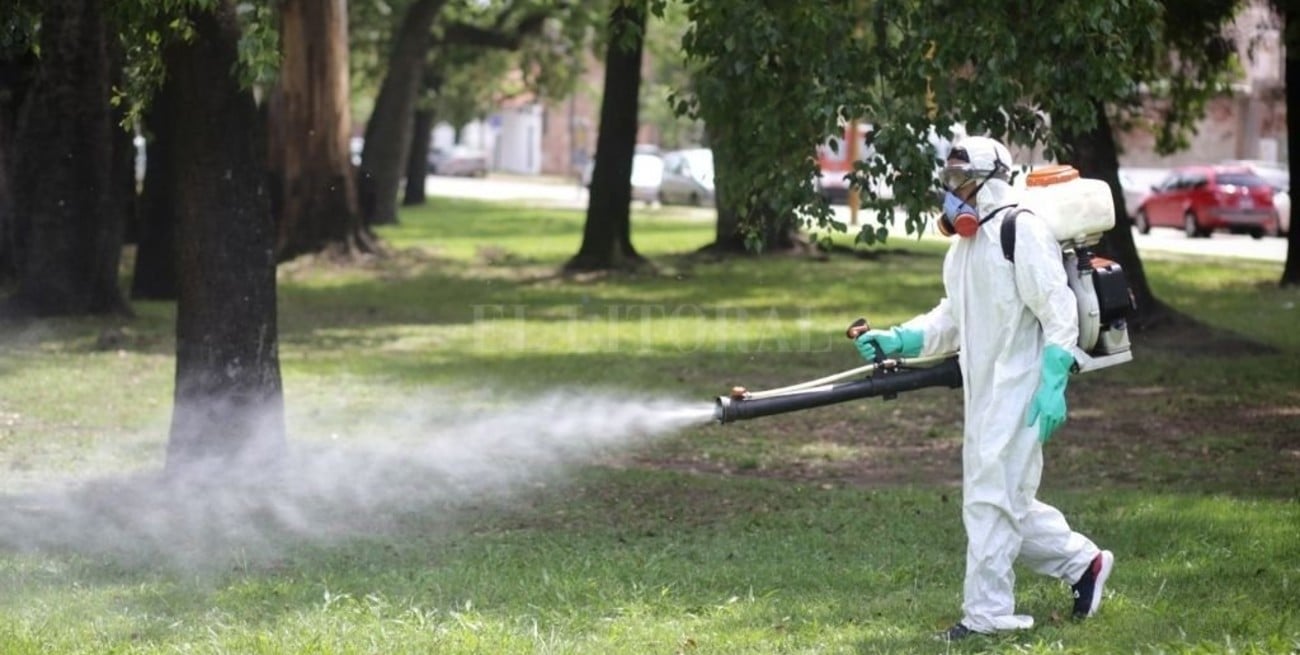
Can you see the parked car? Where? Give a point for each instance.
(1136, 184)
(1282, 202)
(1279, 177)
(647, 173)
(833, 165)
(356, 145)
(687, 177)
(1203, 199)
(458, 160)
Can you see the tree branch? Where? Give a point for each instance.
(495, 36)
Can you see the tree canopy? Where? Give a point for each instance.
(793, 73)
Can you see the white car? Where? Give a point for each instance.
(1282, 202)
(687, 177)
(647, 174)
(356, 145)
(458, 160)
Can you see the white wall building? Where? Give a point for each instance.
(444, 136)
(519, 144)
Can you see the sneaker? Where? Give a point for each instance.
(1087, 591)
(956, 633)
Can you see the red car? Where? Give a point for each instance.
(1202, 199)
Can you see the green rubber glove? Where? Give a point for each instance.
(894, 341)
(1048, 405)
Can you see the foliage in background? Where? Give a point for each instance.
(472, 79)
(144, 27)
(1024, 72)
(763, 72)
(669, 75)
(371, 24)
(18, 25)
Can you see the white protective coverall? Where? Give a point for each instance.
(1001, 316)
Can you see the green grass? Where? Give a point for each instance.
(830, 531)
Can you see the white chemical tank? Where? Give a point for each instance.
(1077, 210)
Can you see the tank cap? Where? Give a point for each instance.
(1049, 175)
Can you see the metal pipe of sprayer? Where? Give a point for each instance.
(887, 383)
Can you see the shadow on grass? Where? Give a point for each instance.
(451, 294)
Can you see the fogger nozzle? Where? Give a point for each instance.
(728, 409)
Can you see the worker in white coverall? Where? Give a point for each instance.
(1015, 327)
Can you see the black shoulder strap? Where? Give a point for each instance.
(1009, 234)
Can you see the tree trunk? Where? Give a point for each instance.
(388, 132)
(229, 406)
(1291, 30)
(16, 77)
(155, 276)
(1095, 155)
(417, 162)
(728, 236)
(8, 221)
(607, 235)
(63, 177)
(310, 122)
(778, 233)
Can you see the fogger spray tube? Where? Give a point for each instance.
(887, 383)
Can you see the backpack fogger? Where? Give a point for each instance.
(1077, 211)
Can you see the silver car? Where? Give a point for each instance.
(1278, 176)
(647, 174)
(687, 178)
(458, 160)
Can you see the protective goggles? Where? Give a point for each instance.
(955, 176)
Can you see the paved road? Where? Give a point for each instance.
(548, 191)
(1221, 245)
(566, 193)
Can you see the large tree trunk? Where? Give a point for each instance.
(1291, 28)
(1095, 155)
(388, 132)
(8, 221)
(16, 76)
(417, 161)
(63, 178)
(607, 235)
(778, 233)
(728, 236)
(229, 407)
(310, 122)
(155, 276)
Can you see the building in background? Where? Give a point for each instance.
(518, 146)
(1249, 123)
(536, 136)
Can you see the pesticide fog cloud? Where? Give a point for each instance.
(431, 465)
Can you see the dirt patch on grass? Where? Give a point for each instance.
(1175, 332)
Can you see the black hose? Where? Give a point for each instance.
(945, 374)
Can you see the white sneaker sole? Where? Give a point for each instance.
(1107, 563)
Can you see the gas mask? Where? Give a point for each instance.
(960, 217)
